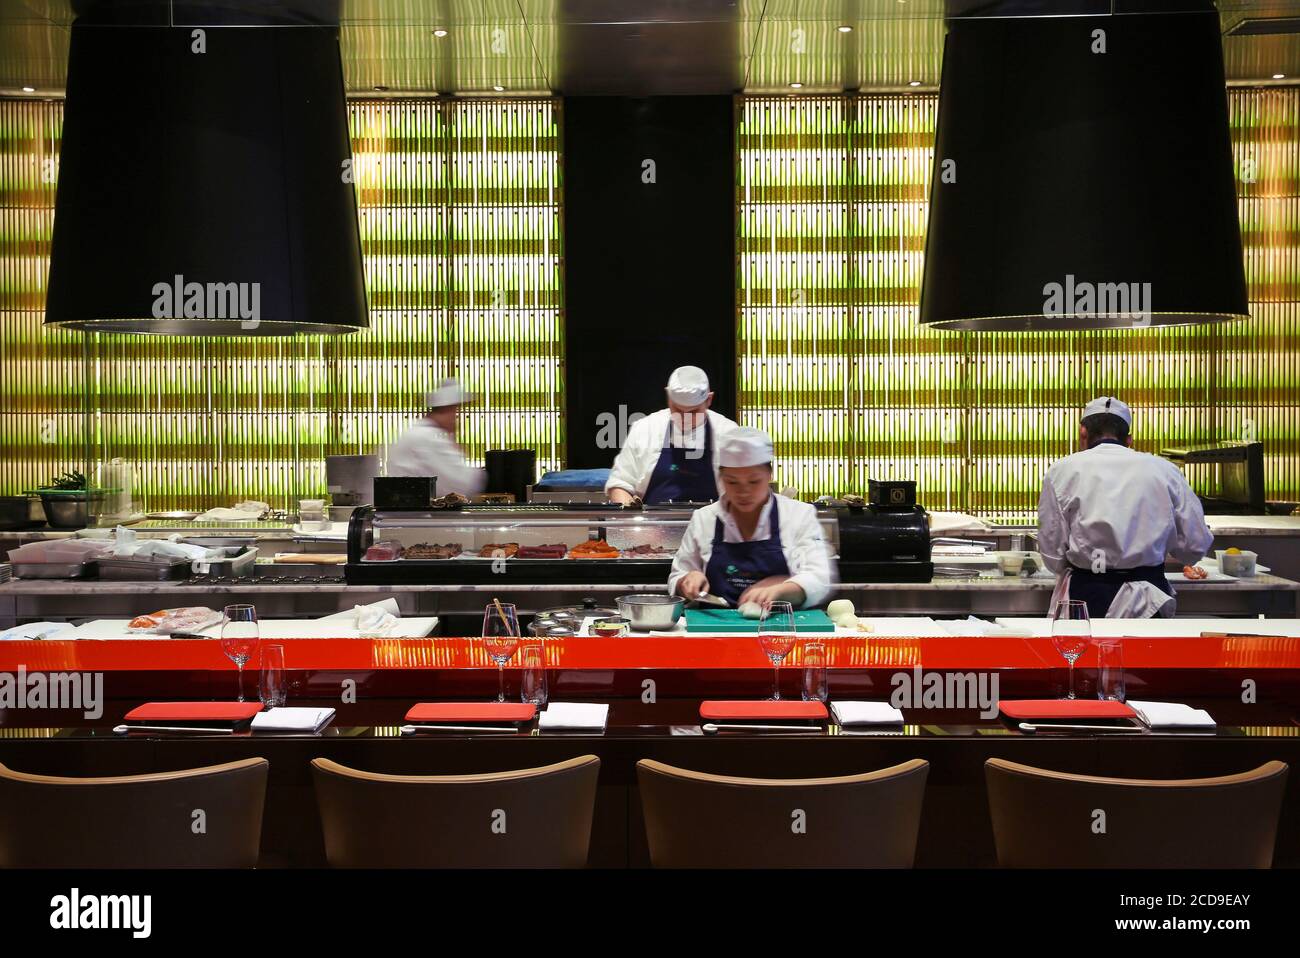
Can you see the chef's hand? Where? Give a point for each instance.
(692, 584)
(621, 497)
(772, 589)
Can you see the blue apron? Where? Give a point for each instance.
(1098, 589)
(735, 566)
(680, 477)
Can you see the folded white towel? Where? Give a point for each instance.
(292, 719)
(866, 713)
(574, 715)
(1171, 715)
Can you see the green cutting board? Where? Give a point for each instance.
(730, 620)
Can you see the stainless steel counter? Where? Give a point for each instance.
(32, 600)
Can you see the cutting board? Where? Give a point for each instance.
(730, 620)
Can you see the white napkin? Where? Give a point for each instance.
(574, 715)
(247, 511)
(1172, 715)
(866, 713)
(375, 619)
(292, 719)
(36, 630)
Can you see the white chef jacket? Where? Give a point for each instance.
(1134, 507)
(644, 444)
(426, 450)
(802, 543)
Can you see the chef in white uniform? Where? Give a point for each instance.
(753, 545)
(429, 447)
(1109, 515)
(672, 454)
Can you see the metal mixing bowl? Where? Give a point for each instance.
(648, 611)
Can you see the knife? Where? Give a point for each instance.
(712, 727)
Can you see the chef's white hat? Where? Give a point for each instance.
(688, 386)
(448, 393)
(1109, 404)
(744, 446)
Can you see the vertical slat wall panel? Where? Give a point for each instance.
(459, 207)
(831, 193)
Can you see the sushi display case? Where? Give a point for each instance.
(527, 544)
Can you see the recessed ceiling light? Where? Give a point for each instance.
(440, 32)
(796, 86)
(846, 29)
(914, 83)
(499, 88)
(1276, 76)
(32, 89)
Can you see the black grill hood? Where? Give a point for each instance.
(217, 175)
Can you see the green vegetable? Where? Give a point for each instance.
(69, 481)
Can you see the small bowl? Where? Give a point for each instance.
(610, 628)
(1011, 563)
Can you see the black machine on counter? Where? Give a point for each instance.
(1235, 476)
(885, 539)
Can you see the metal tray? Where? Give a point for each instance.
(53, 570)
(144, 570)
(237, 564)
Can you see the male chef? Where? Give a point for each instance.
(429, 447)
(672, 454)
(1109, 515)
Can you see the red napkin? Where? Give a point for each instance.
(1060, 709)
(468, 713)
(170, 713)
(761, 711)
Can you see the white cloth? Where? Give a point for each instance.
(1126, 508)
(36, 630)
(293, 719)
(574, 715)
(745, 446)
(688, 386)
(1171, 715)
(636, 461)
(426, 450)
(866, 713)
(250, 510)
(802, 543)
(1141, 600)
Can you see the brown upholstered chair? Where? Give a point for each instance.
(695, 820)
(1044, 819)
(531, 818)
(134, 821)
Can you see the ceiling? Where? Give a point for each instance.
(629, 47)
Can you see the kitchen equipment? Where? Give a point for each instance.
(511, 471)
(567, 620)
(648, 611)
(351, 479)
(891, 493)
(151, 569)
(405, 492)
(883, 543)
(610, 628)
(15, 512)
(703, 621)
(1241, 565)
(53, 570)
(179, 515)
(236, 562)
(1233, 472)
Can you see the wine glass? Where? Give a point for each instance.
(239, 635)
(500, 638)
(1071, 633)
(776, 638)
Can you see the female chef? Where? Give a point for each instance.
(752, 545)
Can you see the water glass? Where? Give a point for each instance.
(533, 679)
(271, 686)
(1110, 670)
(816, 685)
(776, 637)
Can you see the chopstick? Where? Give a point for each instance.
(1032, 727)
(412, 729)
(121, 729)
(712, 727)
(502, 612)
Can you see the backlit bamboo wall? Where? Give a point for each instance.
(831, 193)
(460, 226)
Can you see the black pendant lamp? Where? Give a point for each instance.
(1083, 176)
(205, 184)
